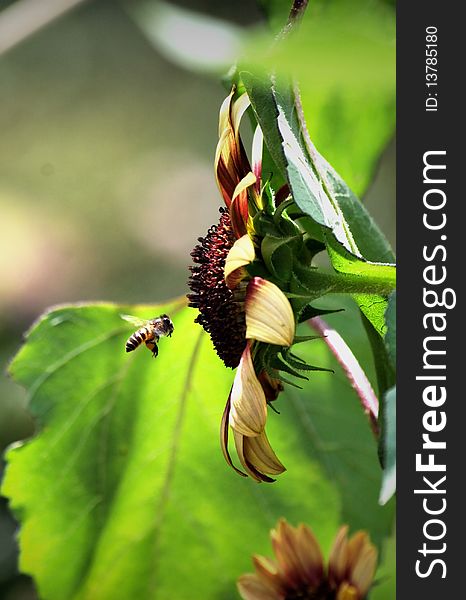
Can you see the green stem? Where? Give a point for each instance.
(344, 283)
(319, 283)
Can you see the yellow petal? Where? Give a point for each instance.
(259, 464)
(241, 253)
(248, 412)
(259, 452)
(239, 108)
(224, 116)
(239, 445)
(224, 427)
(269, 316)
(247, 181)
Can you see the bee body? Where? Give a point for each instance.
(149, 332)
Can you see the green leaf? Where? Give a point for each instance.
(123, 493)
(389, 447)
(344, 262)
(373, 306)
(369, 238)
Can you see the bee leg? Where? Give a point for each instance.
(155, 351)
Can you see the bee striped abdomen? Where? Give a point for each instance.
(138, 337)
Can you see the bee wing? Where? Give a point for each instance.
(136, 321)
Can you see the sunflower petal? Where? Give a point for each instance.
(338, 560)
(364, 568)
(238, 109)
(259, 453)
(268, 571)
(241, 254)
(310, 554)
(269, 316)
(285, 542)
(248, 412)
(250, 587)
(247, 181)
(239, 445)
(224, 116)
(224, 438)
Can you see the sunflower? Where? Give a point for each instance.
(242, 303)
(298, 570)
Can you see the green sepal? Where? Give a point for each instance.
(308, 285)
(302, 366)
(309, 312)
(278, 253)
(289, 382)
(263, 225)
(278, 363)
(299, 339)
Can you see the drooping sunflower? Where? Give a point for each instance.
(242, 303)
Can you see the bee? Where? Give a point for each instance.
(149, 332)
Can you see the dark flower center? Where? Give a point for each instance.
(310, 593)
(221, 310)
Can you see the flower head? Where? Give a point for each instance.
(241, 302)
(298, 570)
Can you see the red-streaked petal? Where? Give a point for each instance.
(286, 548)
(310, 552)
(269, 573)
(338, 560)
(363, 569)
(269, 316)
(250, 587)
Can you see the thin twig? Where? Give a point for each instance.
(25, 17)
(352, 370)
(297, 11)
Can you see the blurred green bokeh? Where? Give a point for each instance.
(106, 175)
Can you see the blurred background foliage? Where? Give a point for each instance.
(109, 124)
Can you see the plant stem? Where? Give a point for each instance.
(352, 370)
(349, 283)
(296, 14)
(319, 283)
